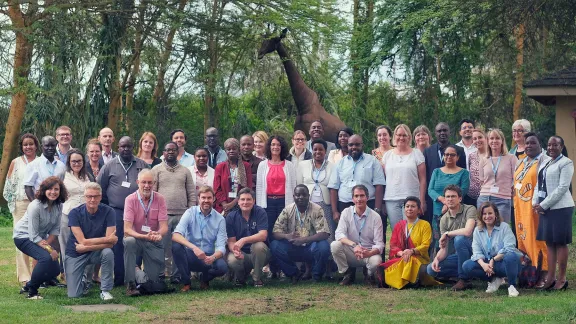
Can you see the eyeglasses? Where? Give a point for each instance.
(450, 154)
(400, 135)
(76, 161)
(466, 127)
(300, 139)
(518, 131)
(90, 197)
(64, 135)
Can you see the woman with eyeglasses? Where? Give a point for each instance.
(449, 174)
(519, 128)
(75, 181)
(298, 152)
(497, 175)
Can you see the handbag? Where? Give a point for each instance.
(530, 274)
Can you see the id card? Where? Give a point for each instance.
(317, 192)
(494, 189)
(146, 229)
(518, 186)
(125, 184)
(232, 195)
(542, 194)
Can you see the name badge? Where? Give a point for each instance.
(125, 184)
(518, 186)
(352, 183)
(232, 195)
(542, 194)
(317, 192)
(146, 229)
(494, 189)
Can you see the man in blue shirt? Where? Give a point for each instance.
(93, 233)
(43, 167)
(354, 169)
(199, 241)
(247, 231)
(64, 138)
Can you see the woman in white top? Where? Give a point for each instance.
(16, 197)
(202, 173)
(341, 145)
(315, 174)
(405, 173)
(75, 181)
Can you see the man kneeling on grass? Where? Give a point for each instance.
(301, 235)
(199, 241)
(93, 234)
(145, 222)
(247, 230)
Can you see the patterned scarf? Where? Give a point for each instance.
(241, 173)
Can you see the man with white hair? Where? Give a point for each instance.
(145, 223)
(93, 234)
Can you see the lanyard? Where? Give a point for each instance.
(299, 218)
(526, 167)
(316, 173)
(146, 209)
(233, 175)
(123, 167)
(495, 167)
(53, 165)
(361, 226)
(489, 244)
(355, 164)
(408, 233)
(203, 224)
(440, 156)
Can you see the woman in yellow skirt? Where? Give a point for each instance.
(526, 220)
(409, 249)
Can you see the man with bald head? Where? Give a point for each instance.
(145, 223)
(246, 152)
(43, 167)
(215, 153)
(434, 158)
(118, 180)
(356, 169)
(106, 138)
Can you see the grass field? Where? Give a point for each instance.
(278, 302)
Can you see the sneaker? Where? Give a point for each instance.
(462, 285)
(104, 295)
(512, 292)
(24, 290)
(258, 283)
(494, 285)
(34, 296)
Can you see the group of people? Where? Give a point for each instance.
(256, 206)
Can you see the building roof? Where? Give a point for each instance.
(562, 78)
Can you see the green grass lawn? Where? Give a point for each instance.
(278, 302)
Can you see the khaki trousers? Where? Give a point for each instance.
(344, 257)
(257, 259)
(23, 267)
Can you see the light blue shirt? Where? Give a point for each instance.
(502, 241)
(40, 169)
(348, 173)
(187, 159)
(39, 222)
(206, 232)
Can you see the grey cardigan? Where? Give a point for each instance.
(558, 178)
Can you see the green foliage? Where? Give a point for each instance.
(5, 217)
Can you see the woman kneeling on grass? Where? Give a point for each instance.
(494, 253)
(409, 249)
(38, 229)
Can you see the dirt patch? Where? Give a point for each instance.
(101, 308)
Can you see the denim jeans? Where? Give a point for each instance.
(452, 266)
(508, 267)
(187, 261)
(45, 270)
(275, 207)
(504, 206)
(287, 254)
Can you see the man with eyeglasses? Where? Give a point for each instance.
(145, 223)
(118, 180)
(456, 228)
(64, 138)
(316, 132)
(93, 234)
(215, 153)
(184, 158)
(354, 169)
(434, 159)
(175, 182)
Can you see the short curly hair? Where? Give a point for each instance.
(49, 183)
(284, 151)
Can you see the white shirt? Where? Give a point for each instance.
(467, 151)
(402, 174)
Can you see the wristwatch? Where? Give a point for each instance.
(354, 245)
(378, 210)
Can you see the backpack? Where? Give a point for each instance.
(530, 274)
(154, 287)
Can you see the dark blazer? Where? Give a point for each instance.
(114, 154)
(433, 161)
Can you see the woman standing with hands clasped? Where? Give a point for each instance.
(554, 204)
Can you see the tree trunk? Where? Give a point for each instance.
(519, 34)
(115, 106)
(210, 112)
(22, 59)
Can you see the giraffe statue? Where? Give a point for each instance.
(309, 107)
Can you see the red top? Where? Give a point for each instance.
(222, 185)
(276, 179)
